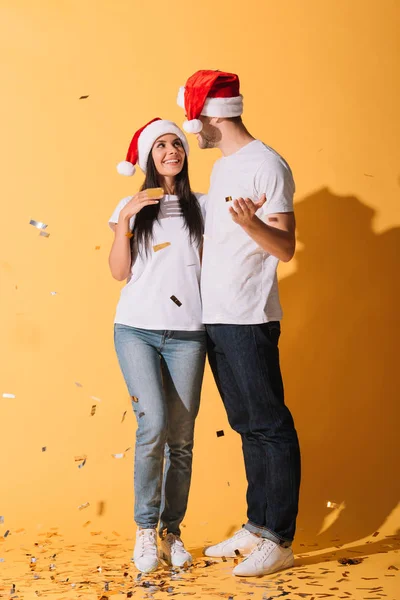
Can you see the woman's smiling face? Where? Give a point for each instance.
(168, 154)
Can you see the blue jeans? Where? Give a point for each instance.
(164, 371)
(245, 363)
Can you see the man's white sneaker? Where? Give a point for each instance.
(266, 558)
(243, 540)
(174, 552)
(145, 554)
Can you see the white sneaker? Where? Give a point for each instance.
(266, 558)
(145, 554)
(174, 552)
(243, 540)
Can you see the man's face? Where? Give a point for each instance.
(209, 136)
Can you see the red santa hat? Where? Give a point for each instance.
(212, 94)
(142, 143)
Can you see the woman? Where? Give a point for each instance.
(159, 337)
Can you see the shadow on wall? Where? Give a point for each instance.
(340, 359)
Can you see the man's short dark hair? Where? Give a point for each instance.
(235, 120)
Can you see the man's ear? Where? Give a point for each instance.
(214, 120)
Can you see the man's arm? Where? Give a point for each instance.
(277, 237)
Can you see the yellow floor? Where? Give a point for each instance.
(67, 571)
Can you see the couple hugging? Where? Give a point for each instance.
(201, 280)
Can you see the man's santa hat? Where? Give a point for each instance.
(212, 94)
(142, 143)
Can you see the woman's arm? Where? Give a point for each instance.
(120, 254)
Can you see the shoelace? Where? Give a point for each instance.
(266, 546)
(176, 544)
(146, 539)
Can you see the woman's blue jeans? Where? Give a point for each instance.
(163, 370)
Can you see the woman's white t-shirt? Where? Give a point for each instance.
(169, 271)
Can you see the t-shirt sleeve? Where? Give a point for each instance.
(114, 217)
(274, 179)
(202, 200)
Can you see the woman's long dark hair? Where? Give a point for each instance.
(143, 227)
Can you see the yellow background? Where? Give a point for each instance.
(320, 82)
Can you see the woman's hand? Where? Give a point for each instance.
(136, 203)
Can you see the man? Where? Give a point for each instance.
(249, 227)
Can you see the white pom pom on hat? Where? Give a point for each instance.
(126, 168)
(211, 94)
(193, 126)
(142, 143)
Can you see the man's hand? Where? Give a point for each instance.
(243, 210)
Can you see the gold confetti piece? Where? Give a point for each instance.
(38, 224)
(124, 415)
(78, 384)
(1, 520)
(154, 192)
(175, 299)
(220, 433)
(93, 411)
(44, 234)
(95, 399)
(80, 457)
(8, 395)
(53, 293)
(161, 246)
(375, 534)
(332, 505)
(83, 97)
(116, 533)
(120, 455)
(100, 508)
(228, 199)
(141, 415)
(129, 234)
(82, 506)
(86, 524)
(97, 247)
(135, 399)
(44, 448)
(96, 533)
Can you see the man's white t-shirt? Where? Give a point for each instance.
(238, 281)
(173, 270)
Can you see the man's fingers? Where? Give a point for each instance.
(261, 201)
(237, 206)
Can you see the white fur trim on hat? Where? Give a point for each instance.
(216, 107)
(151, 133)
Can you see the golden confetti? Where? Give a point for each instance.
(82, 506)
(228, 199)
(175, 299)
(8, 395)
(129, 234)
(161, 246)
(44, 234)
(93, 411)
(135, 399)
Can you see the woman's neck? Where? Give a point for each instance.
(168, 185)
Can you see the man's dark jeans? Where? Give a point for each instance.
(245, 363)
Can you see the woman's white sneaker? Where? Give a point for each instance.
(266, 558)
(174, 552)
(145, 555)
(243, 540)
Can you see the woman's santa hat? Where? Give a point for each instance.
(212, 94)
(142, 143)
